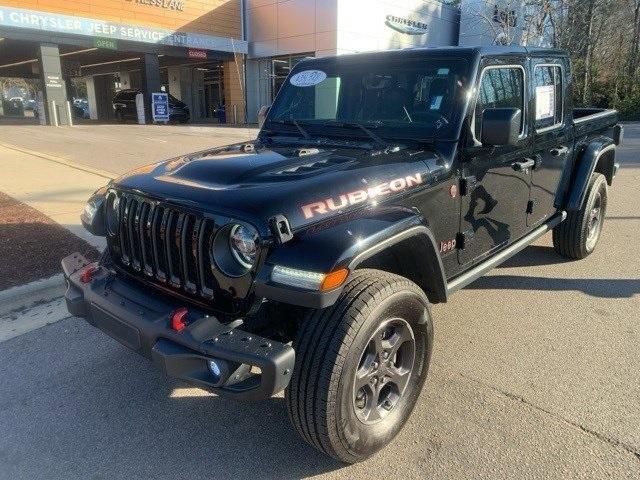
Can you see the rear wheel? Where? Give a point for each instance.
(360, 366)
(578, 236)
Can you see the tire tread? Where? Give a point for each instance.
(570, 237)
(321, 346)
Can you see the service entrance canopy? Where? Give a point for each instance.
(72, 25)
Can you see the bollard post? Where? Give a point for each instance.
(69, 116)
(54, 114)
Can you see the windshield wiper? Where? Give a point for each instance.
(295, 123)
(366, 130)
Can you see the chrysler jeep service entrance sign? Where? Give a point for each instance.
(73, 25)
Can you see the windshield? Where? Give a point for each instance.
(407, 98)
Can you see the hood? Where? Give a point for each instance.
(307, 185)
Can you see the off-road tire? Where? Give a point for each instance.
(572, 237)
(330, 346)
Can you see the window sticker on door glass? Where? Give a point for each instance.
(308, 78)
(545, 102)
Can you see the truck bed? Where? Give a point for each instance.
(592, 121)
(585, 114)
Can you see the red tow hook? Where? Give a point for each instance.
(178, 322)
(87, 274)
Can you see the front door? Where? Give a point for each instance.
(553, 136)
(497, 179)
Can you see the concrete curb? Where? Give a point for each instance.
(27, 295)
(61, 161)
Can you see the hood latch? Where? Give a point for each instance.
(281, 229)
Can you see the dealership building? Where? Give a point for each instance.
(195, 49)
(222, 58)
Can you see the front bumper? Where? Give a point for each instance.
(251, 367)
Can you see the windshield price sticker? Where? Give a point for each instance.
(308, 78)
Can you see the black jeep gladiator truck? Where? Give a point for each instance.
(307, 260)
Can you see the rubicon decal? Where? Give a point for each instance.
(360, 196)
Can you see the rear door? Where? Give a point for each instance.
(494, 204)
(553, 137)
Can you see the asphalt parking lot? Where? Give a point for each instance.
(119, 148)
(535, 374)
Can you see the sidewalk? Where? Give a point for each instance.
(58, 191)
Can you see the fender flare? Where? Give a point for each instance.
(586, 165)
(426, 245)
(348, 244)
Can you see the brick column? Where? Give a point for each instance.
(234, 89)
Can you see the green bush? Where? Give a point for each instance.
(629, 106)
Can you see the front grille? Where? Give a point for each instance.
(166, 245)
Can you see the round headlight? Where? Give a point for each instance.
(234, 249)
(113, 213)
(243, 244)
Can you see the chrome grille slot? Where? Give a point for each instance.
(146, 247)
(204, 274)
(173, 253)
(166, 244)
(122, 235)
(133, 218)
(188, 257)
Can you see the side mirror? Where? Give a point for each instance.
(263, 111)
(501, 126)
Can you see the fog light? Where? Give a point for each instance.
(215, 369)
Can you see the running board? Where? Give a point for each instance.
(479, 270)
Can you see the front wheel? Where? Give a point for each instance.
(360, 366)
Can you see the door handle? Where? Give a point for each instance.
(558, 152)
(524, 166)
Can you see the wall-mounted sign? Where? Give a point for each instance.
(106, 43)
(199, 54)
(165, 4)
(160, 107)
(73, 25)
(53, 81)
(406, 25)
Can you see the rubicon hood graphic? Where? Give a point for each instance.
(360, 196)
(255, 183)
